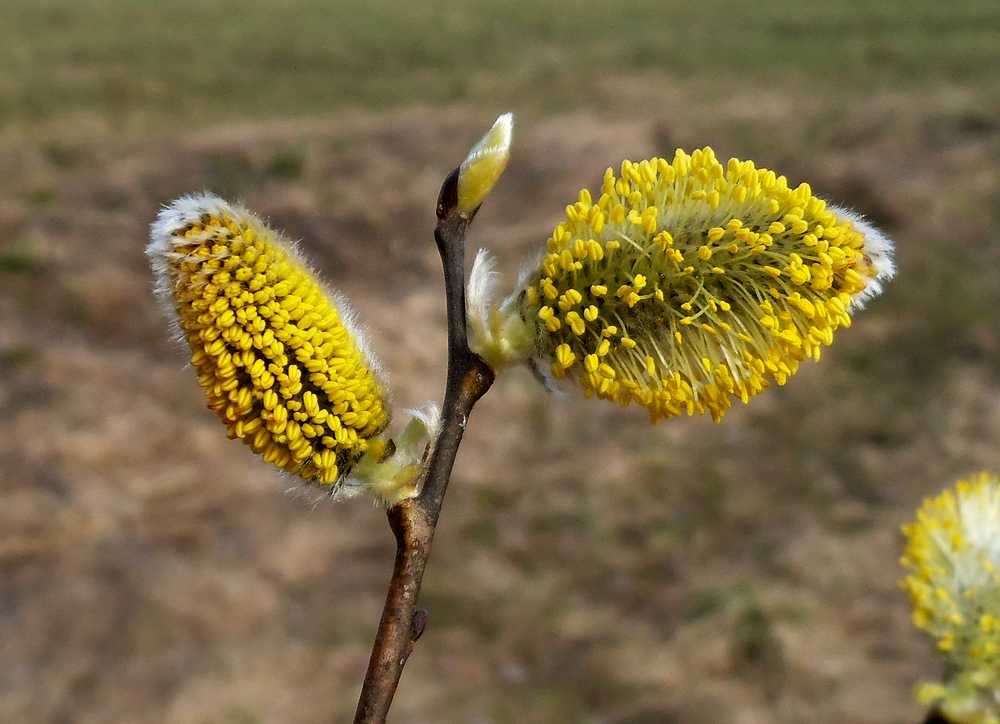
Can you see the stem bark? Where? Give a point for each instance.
(413, 521)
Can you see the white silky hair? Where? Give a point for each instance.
(878, 250)
(163, 242)
(479, 292)
(429, 415)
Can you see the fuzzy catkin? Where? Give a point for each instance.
(686, 285)
(279, 358)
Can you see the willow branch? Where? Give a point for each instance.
(413, 521)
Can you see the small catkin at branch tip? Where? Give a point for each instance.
(485, 163)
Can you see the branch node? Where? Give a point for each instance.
(418, 624)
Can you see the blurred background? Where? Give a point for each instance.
(588, 567)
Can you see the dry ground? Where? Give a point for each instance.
(588, 567)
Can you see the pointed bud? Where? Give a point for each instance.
(485, 163)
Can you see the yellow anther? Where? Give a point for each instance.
(565, 356)
(575, 323)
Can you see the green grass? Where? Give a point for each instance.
(135, 65)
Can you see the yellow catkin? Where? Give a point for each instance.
(714, 281)
(953, 562)
(279, 360)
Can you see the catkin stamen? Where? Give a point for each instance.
(718, 281)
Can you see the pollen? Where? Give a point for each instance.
(278, 358)
(722, 277)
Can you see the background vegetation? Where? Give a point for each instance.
(124, 64)
(588, 567)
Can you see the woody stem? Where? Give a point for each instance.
(413, 521)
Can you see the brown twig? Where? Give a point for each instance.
(413, 521)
